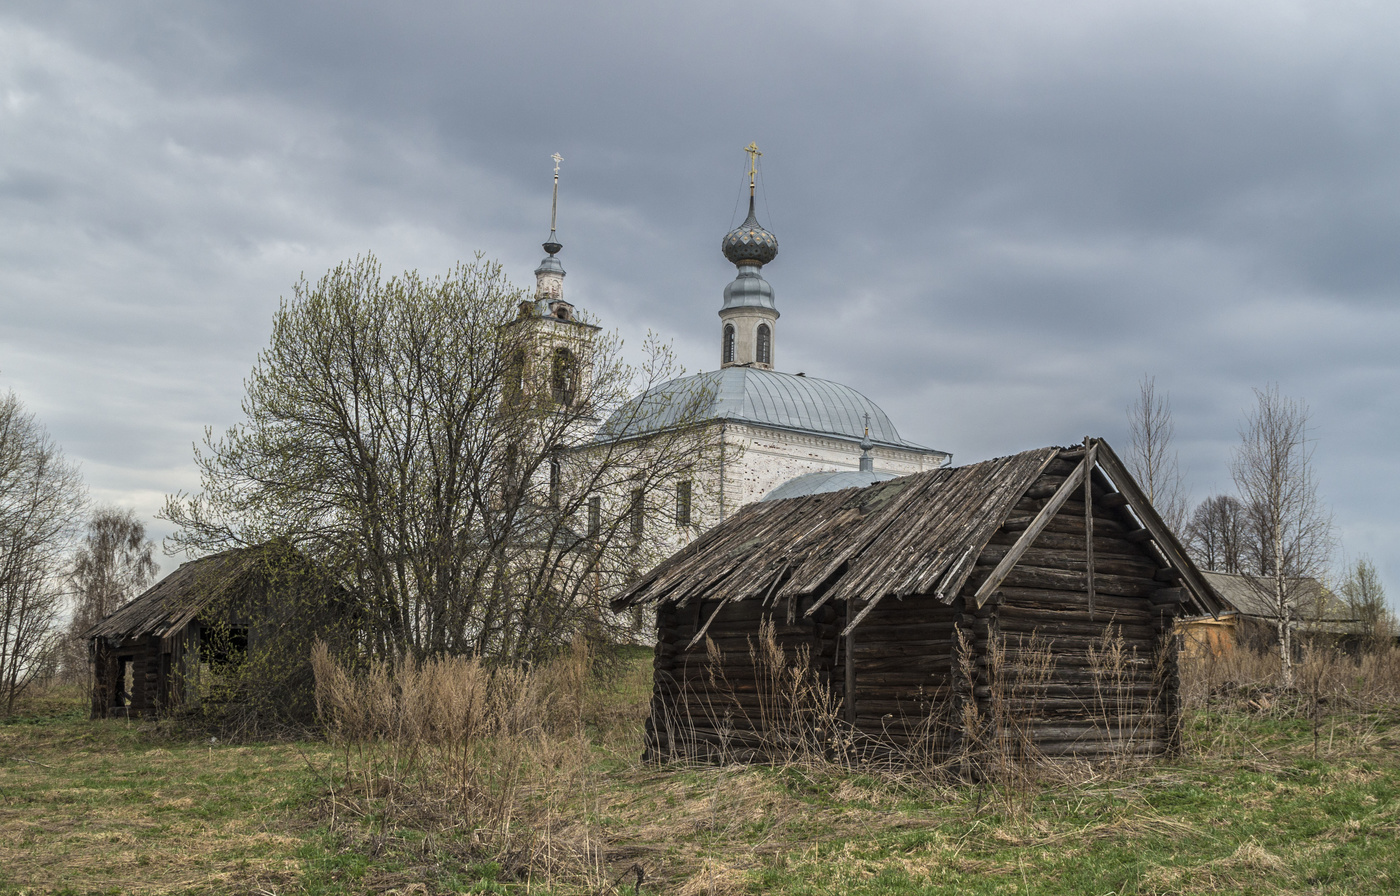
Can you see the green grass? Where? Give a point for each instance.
(114, 807)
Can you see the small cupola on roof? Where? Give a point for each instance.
(748, 316)
(549, 276)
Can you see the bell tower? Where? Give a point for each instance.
(554, 360)
(749, 317)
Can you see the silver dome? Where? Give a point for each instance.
(749, 243)
(754, 395)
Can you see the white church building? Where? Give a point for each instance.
(782, 434)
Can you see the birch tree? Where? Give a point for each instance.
(1152, 455)
(1272, 468)
(113, 563)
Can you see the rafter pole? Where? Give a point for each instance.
(1090, 447)
(1042, 519)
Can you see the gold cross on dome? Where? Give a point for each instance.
(557, 159)
(752, 150)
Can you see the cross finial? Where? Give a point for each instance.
(554, 207)
(752, 150)
(867, 423)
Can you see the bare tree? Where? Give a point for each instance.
(1152, 457)
(430, 440)
(1365, 598)
(41, 496)
(113, 564)
(1220, 535)
(1272, 468)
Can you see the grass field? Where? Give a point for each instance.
(1268, 799)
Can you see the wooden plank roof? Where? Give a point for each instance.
(917, 534)
(906, 536)
(176, 600)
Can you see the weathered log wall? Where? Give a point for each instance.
(732, 691)
(1059, 671)
(1070, 655)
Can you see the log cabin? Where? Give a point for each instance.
(161, 650)
(1026, 601)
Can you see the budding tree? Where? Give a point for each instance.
(423, 440)
(1152, 458)
(1272, 468)
(113, 563)
(1365, 598)
(41, 496)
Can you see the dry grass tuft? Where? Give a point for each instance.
(495, 759)
(716, 878)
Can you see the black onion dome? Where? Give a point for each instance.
(749, 243)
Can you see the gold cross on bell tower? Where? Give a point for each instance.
(554, 208)
(752, 150)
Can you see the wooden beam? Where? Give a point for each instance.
(1166, 542)
(850, 674)
(1028, 537)
(1113, 500)
(1089, 520)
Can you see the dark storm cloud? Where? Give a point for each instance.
(994, 218)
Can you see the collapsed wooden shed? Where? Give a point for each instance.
(153, 654)
(1027, 600)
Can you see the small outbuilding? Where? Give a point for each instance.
(154, 654)
(1248, 618)
(1025, 603)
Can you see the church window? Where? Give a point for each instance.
(564, 378)
(765, 344)
(510, 475)
(638, 512)
(595, 516)
(683, 503)
(728, 343)
(555, 479)
(515, 377)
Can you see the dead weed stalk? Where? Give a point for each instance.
(492, 760)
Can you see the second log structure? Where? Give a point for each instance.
(1024, 604)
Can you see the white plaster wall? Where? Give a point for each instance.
(770, 457)
(745, 322)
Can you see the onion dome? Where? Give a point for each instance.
(749, 243)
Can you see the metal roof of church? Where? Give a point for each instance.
(764, 397)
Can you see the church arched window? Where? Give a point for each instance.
(765, 344)
(728, 343)
(564, 377)
(515, 377)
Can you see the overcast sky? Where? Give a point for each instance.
(994, 218)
